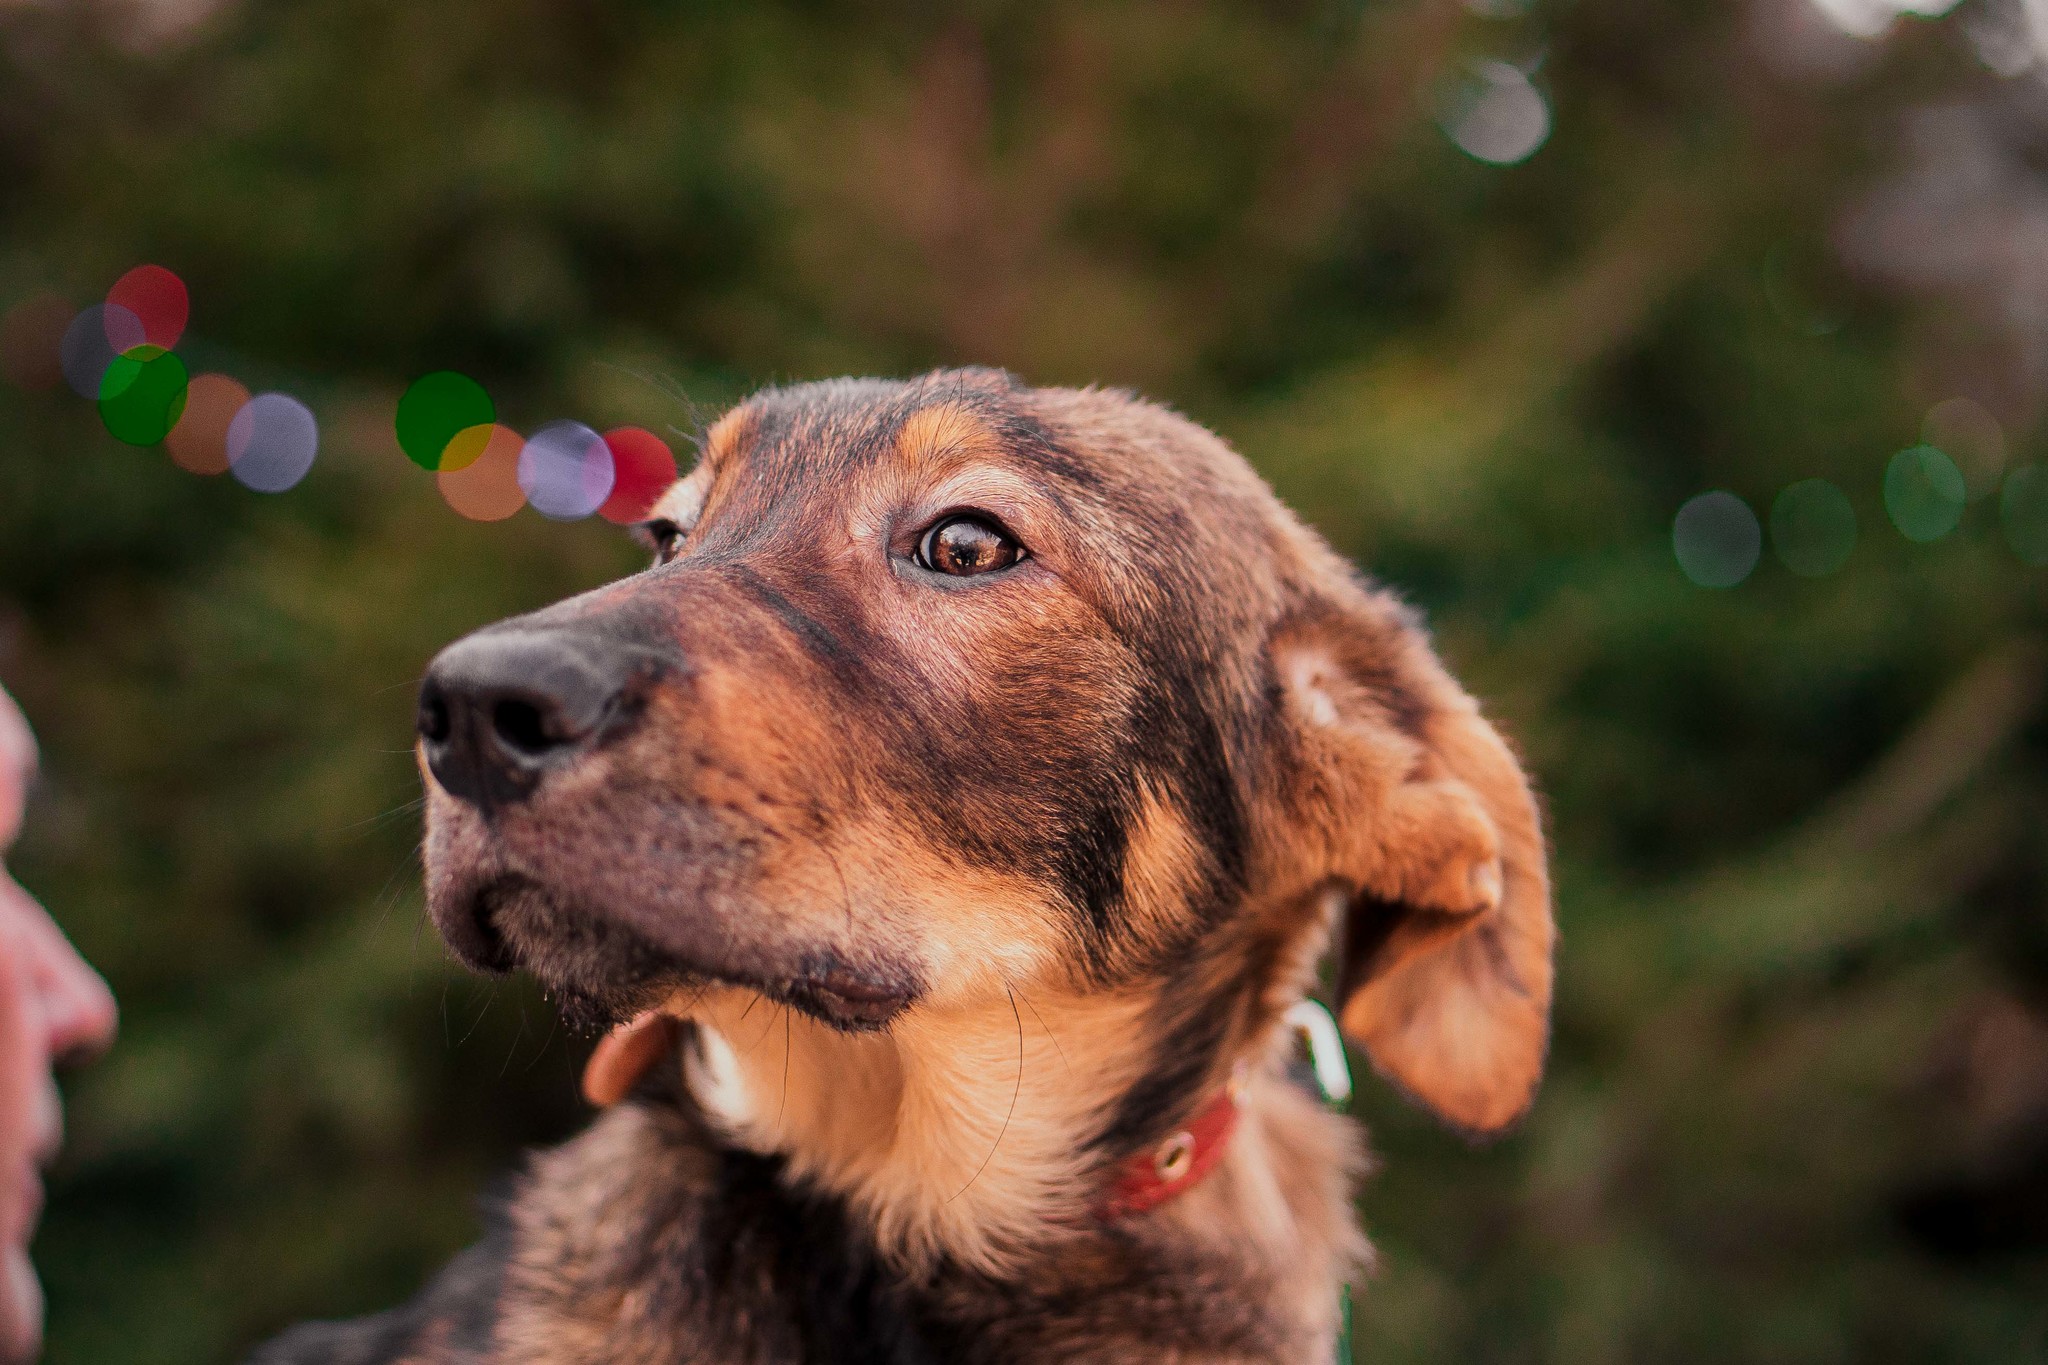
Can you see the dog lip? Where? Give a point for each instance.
(855, 1014)
(467, 923)
(856, 990)
(851, 1000)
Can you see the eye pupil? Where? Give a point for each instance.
(664, 538)
(964, 546)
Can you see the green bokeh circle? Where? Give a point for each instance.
(1924, 493)
(1813, 528)
(2024, 510)
(1717, 539)
(434, 410)
(142, 394)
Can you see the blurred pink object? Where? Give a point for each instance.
(52, 1006)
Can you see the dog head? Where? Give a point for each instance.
(941, 691)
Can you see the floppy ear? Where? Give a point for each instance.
(1408, 799)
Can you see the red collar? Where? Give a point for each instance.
(1174, 1166)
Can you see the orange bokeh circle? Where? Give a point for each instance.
(199, 443)
(486, 488)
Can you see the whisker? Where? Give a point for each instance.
(388, 896)
(756, 1044)
(1014, 1094)
(517, 1039)
(697, 998)
(1047, 1027)
(554, 1025)
(845, 894)
(490, 998)
(784, 1106)
(383, 817)
(670, 388)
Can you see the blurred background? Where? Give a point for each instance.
(1684, 359)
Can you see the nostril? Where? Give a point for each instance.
(434, 725)
(523, 727)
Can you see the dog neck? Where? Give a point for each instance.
(960, 1132)
(965, 1133)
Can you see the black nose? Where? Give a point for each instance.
(501, 708)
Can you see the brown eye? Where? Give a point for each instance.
(665, 538)
(965, 546)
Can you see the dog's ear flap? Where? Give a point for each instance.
(1411, 802)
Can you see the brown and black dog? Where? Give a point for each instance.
(967, 791)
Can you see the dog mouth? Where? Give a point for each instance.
(605, 972)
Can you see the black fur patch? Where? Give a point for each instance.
(451, 1321)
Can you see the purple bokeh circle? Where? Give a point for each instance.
(272, 442)
(566, 471)
(95, 338)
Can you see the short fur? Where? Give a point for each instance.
(972, 889)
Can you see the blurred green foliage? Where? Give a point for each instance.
(1800, 1079)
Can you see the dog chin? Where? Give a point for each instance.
(604, 972)
(601, 972)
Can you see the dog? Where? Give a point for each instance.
(948, 819)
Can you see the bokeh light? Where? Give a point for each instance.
(1717, 539)
(1924, 493)
(1874, 18)
(95, 339)
(199, 442)
(487, 488)
(142, 395)
(31, 342)
(2024, 512)
(272, 442)
(1803, 287)
(435, 413)
(465, 447)
(1813, 528)
(158, 300)
(1965, 431)
(566, 471)
(643, 468)
(1497, 115)
(2010, 36)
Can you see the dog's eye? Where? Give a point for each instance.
(967, 545)
(664, 538)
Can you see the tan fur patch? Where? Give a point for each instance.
(944, 433)
(960, 1131)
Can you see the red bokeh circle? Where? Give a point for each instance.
(643, 468)
(158, 298)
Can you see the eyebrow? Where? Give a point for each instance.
(665, 507)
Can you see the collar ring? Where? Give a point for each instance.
(1175, 1158)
